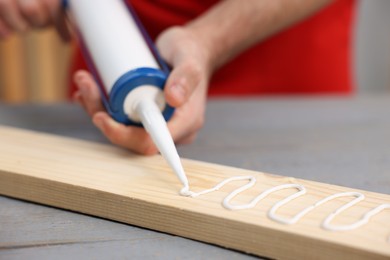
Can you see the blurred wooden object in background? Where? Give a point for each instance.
(34, 67)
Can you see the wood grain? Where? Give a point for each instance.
(109, 182)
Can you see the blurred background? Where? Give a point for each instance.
(372, 47)
(34, 67)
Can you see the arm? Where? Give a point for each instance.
(231, 27)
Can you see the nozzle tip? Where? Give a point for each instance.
(185, 191)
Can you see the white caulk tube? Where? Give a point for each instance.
(127, 68)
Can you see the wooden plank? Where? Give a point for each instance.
(109, 182)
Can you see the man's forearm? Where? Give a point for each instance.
(232, 26)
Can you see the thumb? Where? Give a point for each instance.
(183, 80)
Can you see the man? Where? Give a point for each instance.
(218, 47)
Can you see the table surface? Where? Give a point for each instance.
(338, 140)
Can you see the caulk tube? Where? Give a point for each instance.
(117, 52)
(129, 74)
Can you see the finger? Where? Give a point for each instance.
(133, 138)
(5, 31)
(181, 83)
(62, 27)
(12, 16)
(130, 137)
(189, 118)
(57, 14)
(90, 95)
(34, 12)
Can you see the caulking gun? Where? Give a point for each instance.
(127, 68)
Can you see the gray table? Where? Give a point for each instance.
(344, 141)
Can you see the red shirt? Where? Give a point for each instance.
(313, 56)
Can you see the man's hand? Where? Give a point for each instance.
(21, 15)
(186, 89)
(194, 51)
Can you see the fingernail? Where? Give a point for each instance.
(178, 92)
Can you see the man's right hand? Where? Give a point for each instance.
(21, 15)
